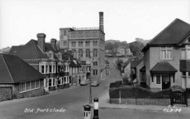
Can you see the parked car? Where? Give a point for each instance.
(95, 83)
(84, 82)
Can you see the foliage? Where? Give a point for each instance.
(113, 45)
(136, 48)
(119, 63)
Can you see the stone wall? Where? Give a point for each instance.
(5, 93)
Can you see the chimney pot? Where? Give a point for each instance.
(53, 43)
(41, 41)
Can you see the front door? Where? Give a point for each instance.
(166, 81)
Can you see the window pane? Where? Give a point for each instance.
(37, 84)
(27, 85)
(183, 54)
(32, 84)
(188, 54)
(157, 79)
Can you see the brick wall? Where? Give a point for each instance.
(5, 93)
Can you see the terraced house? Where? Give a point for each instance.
(88, 45)
(45, 58)
(167, 57)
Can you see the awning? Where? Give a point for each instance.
(163, 67)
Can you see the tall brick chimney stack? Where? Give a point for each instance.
(101, 21)
(41, 41)
(53, 43)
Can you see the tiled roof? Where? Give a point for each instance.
(173, 34)
(164, 67)
(48, 47)
(28, 51)
(15, 70)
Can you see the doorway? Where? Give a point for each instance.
(166, 81)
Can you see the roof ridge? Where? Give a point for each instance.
(7, 67)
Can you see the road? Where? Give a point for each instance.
(71, 102)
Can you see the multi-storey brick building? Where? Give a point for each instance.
(88, 45)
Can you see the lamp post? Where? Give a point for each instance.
(90, 88)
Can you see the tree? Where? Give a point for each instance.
(136, 48)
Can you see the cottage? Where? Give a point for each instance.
(18, 79)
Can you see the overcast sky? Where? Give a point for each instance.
(21, 20)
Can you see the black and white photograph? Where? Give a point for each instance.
(94, 59)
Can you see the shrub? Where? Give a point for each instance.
(116, 84)
(144, 85)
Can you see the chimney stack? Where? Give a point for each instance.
(53, 43)
(41, 41)
(101, 21)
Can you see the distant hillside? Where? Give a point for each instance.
(5, 50)
(113, 45)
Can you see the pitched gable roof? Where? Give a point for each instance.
(28, 51)
(163, 67)
(173, 34)
(15, 70)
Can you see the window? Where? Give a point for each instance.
(42, 69)
(188, 52)
(95, 63)
(27, 86)
(33, 85)
(80, 44)
(80, 53)
(95, 52)
(50, 82)
(166, 53)
(95, 72)
(183, 53)
(95, 43)
(88, 53)
(158, 79)
(65, 80)
(152, 79)
(37, 84)
(87, 43)
(50, 69)
(183, 74)
(73, 44)
(46, 68)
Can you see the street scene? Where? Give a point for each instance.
(94, 59)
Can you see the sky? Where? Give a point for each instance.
(124, 20)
